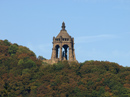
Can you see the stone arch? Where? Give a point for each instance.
(65, 51)
(63, 42)
(57, 50)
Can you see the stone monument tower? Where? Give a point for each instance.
(63, 47)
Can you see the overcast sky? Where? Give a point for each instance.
(101, 28)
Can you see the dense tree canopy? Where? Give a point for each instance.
(24, 75)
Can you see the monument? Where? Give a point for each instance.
(63, 47)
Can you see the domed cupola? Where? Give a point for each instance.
(63, 46)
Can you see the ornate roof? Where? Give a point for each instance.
(63, 32)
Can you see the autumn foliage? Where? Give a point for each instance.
(23, 75)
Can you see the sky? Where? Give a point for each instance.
(101, 28)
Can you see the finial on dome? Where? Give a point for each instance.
(63, 26)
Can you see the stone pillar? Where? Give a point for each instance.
(74, 54)
(53, 54)
(60, 57)
(70, 54)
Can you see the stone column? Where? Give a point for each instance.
(70, 54)
(53, 54)
(74, 54)
(60, 54)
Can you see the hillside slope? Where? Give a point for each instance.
(23, 75)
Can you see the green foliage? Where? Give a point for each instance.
(29, 64)
(20, 62)
(12, 49)
(41, 58)
(23, 75)
(25, 71)
(6, 42)
(59, 66)
(25, 50)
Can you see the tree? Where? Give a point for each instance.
(6, 42)
(13, 49)
(41, 58)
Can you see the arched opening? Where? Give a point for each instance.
(65, 52)
(57, 51)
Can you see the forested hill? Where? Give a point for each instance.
(23, 75)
